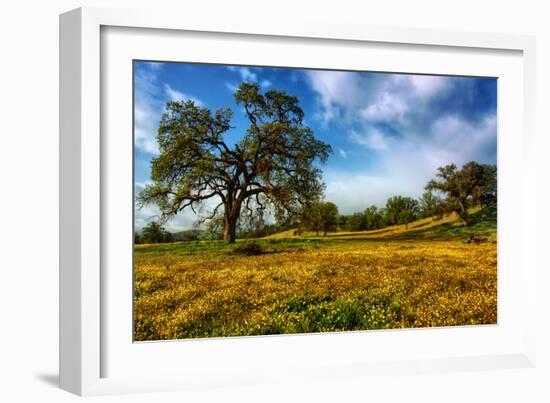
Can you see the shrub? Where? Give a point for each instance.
(249, 249)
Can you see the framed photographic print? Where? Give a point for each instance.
(306, 205)
(244, 204)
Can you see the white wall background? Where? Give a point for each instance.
(29, 200)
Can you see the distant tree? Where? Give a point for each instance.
(188, 236)
(401, 210)
(384, 221)
(342, 221)
(429, 205)
(356, 222)
(409, 213)
(155, 233)
(393, 208)
(310, 217)
(210, 235)
(320, 216)
(474, 184)
(137, 238)
(329, 217)
(372, 218)
(274, 164)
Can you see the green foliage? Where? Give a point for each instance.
(401, 210)
(155, 233)
(430, 205)
(355, 222)
(188, 236)
(249, 249)
(329, 217)
(342, 221)
(473, 185)
(370, 219)
(320, 216)
(374, 218)
(483, 224)
(273, 166)
(310, 217)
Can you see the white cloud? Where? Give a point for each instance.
(147, 110)
(246, 73)
(410, 124)
(231, 87)
(173, 94)
(338, 91)
(150, 99)
(176, 95)
(343, 153)
(400, 95)
(155, 65)
(428, 86)
(463, 141)
(355, 192)
(387, 107)
(371, 138)
(372, 97)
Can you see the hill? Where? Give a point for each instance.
(447, 227)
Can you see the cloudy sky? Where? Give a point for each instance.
(389, 132)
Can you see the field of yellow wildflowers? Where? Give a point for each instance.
(350, 281)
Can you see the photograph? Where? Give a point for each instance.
(272, 200)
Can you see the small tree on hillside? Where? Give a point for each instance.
(409, 213)
(401, 210)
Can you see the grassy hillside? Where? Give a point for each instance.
(445, 228)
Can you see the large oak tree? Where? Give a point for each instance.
(272, 166)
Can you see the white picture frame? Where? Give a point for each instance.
(84, 297)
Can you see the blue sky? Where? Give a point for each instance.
(389, 132)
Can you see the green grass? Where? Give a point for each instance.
(443, 232)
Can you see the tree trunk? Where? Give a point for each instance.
(230, 224)
(463, 213)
